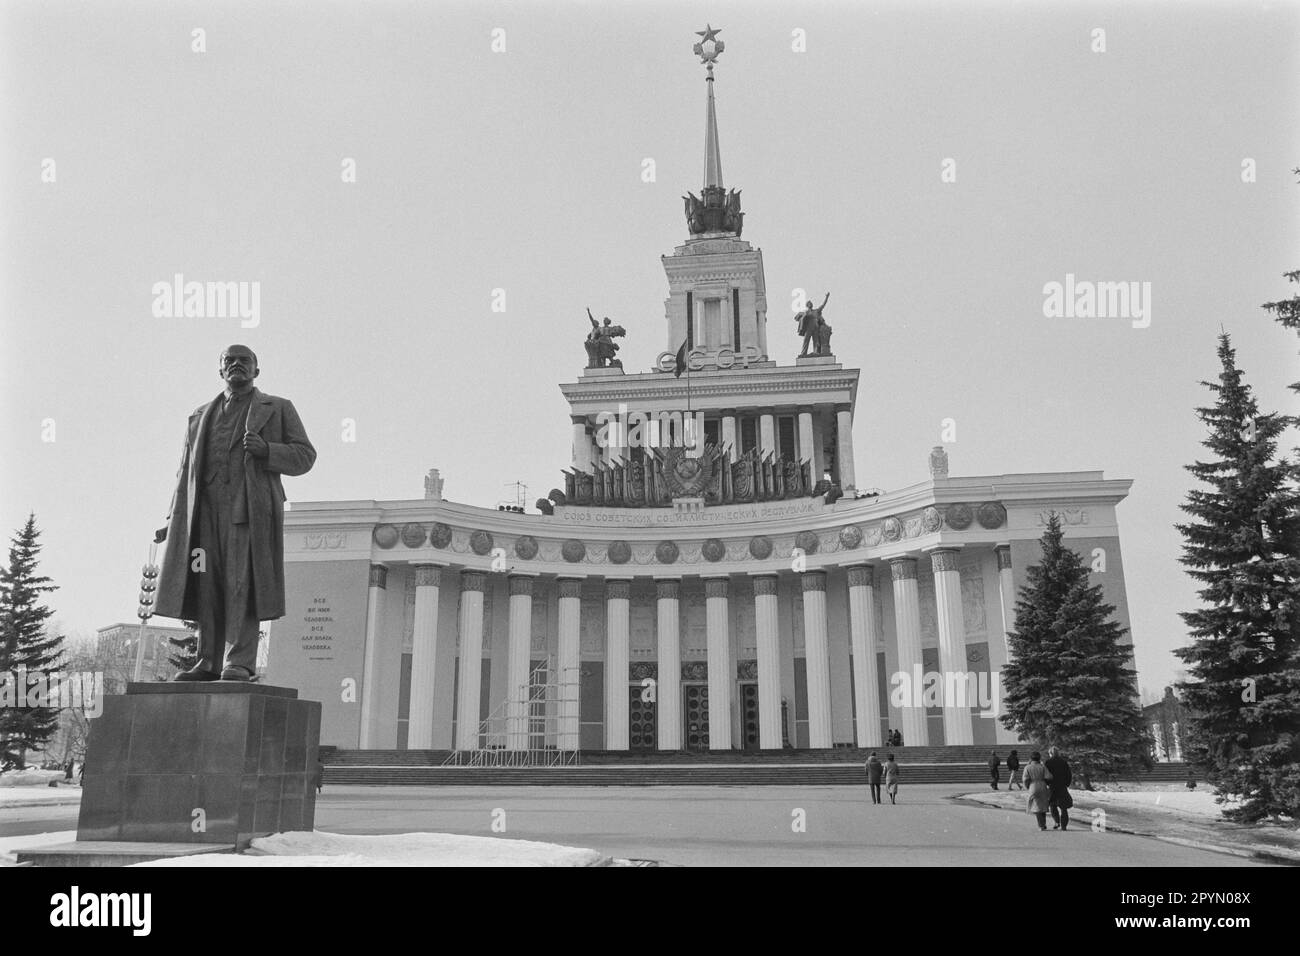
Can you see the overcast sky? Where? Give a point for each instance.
(521, 170)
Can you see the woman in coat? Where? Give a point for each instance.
(1035, 781)
(891, 778)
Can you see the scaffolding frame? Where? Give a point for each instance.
(529, 728)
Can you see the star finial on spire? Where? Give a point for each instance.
(709, 38)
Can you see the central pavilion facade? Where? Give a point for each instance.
(709, 577)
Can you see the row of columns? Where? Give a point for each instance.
(586, 453)
(721, 667)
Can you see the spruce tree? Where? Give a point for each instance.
(1243, 547)
(1069, 682)
(186, 654)
(26, 651)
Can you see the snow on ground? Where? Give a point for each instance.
(9, 846)
(1198, 803)
(39, 796)
(31, 777)
(401, 849)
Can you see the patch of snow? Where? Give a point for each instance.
(37, 796)
(31, 777)
(398, 849)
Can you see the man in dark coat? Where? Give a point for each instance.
(994, 764)
(1013, 771)
(224, 563)
(875, 770)
(1058, 783)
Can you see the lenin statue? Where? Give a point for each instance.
(224, 562)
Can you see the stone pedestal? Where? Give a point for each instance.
(200, 763)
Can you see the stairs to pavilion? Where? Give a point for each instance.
(842, 766)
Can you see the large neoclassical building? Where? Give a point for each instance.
(707, 574)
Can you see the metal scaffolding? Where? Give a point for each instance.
(536, 727)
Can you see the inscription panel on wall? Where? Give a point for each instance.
(319, 631)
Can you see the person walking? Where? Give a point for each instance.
(994, 764)
(891, 778)
(1035, 782)
(875, 770)
(1013, 770)
(1058, 785)
(319, 779)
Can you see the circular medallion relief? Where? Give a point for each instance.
(713, 549)
(760, 547)
(959, 517)
(991, 515)
(850, 537)
(526, 547)
(807, 542)
(440, 535)
(480, 542)
(666, 552)
(573, 550)
(931, 520)
(892, 529)
(620, 552)
(413, 535)
(385, 535)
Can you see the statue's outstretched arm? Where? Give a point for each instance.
(824, 301)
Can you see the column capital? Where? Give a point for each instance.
(578, 419)
(805, 410)
(569, 587)
(728, 413)
(667, 588)
(843, 409)
(813, 581)
(618, 589)
(473, 580)
(861, 575)
(1003, 551)
(428, 575)
(521, 584)
(943, 559)
(379, 576)
(716, 587)
(903, 569)
(765, 584)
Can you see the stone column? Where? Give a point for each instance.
(1007, 590)
(817, 659)
(952, 648)
(668, 692)
(718, 631)
(518, 659)
(570, 618)
(767, 632)
(844, 450)
(472, 584)
(699, 430)
(766, 433)
(907, 619)
(581, 444)
(729, 436)
(370, 690)
(424, 652)
(862, 629)
(807, 444)
(617, 653)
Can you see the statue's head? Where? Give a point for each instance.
(607, 320)
(810, 305)
(238, 366)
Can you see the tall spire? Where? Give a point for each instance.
(712, 152)
(715, 210)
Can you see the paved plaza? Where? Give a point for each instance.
(730, 826)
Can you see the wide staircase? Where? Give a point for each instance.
(841, 766)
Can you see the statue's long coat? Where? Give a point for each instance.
(260, 500)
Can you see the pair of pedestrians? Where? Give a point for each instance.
(888, 771)
(1047, 788)
(1013, 770)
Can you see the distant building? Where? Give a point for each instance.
(115, 647)
(1167, 722)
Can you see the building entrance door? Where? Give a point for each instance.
(642, 728)
(695, 716)
(749, 715)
